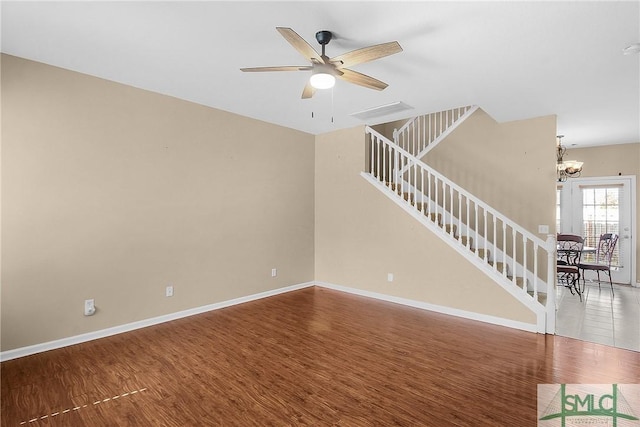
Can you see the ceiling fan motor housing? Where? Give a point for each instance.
(323, 37)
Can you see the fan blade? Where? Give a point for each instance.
(361, 79)
(283, 68)
(366, 54)
(308, 91)
(300, 44)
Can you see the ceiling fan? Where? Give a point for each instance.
(324, 70)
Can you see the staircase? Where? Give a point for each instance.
(423, 133)
(519, 261)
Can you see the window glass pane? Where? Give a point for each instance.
(600, 214)
(600, 196)
(587, 196)
(613, 196)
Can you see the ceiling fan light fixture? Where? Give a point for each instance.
(325, 70)
(565, 168)
(572, 166)
(322, 80)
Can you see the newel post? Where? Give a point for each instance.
(550, 245)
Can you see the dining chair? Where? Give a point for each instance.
(569, 251)
(604, 252)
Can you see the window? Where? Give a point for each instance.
(600, 214)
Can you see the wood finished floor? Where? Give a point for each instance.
(313, 357)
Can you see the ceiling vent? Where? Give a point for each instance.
(383, 110)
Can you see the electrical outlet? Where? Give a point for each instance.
(89, 307)
(274, 272)
(168, 292)
(390, 277)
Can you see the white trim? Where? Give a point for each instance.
(634, 228)
(90, 336)
(447, 132)
(536, 307)
(479, 241)
(567, 220)
(529, 327)
(472, 109)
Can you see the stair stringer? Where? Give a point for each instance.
(479, 240)
(518, 293)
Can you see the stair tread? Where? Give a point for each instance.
(451, 228)
(542, 297)
(499, 266)
(480, 250)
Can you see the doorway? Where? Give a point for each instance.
(590, 207)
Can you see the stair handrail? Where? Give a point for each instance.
(444, 122)
(459, 189)
(405, 126)
(389, 173)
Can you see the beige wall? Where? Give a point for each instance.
(612, 160)
(505, 165)
(110, 192)
(361, 236)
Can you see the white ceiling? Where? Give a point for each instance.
(516, 60)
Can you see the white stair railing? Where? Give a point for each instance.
(422, 133)
(451, 208)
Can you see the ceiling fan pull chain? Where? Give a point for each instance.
(331, 101)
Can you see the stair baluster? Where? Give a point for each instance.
(431, 197)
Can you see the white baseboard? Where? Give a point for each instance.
(64, 342)
(529, 327)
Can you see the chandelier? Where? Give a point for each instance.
(565, 168)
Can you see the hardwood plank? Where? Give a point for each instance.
(312, 357)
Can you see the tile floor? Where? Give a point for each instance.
(601, 317)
